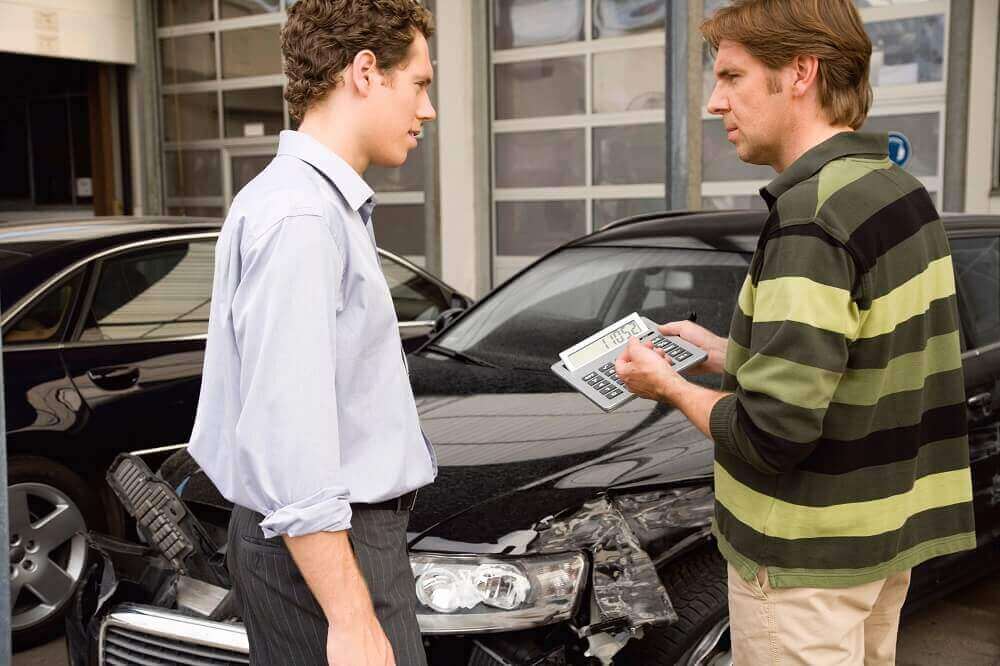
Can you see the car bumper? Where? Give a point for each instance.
(125, 613)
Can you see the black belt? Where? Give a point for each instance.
(402, 503)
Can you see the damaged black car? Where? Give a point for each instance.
(555, 533)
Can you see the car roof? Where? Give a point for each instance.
(733, 230)
(41, 235)
(32, 252)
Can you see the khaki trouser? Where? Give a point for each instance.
(814, 626)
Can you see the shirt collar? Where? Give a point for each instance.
(814, 159)
(352, 187)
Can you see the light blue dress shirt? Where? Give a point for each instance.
(306, 403)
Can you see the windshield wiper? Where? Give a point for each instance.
(459, 356)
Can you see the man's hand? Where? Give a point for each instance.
(703, 338)
(363, 644)
(647, 372)
(355, 637)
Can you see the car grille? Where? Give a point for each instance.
(138, 636)
(134, 648)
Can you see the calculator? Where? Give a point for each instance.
(589, 365)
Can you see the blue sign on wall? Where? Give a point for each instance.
(899, 148)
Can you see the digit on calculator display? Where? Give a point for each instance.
(612, 339)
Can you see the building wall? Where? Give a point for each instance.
(981, 195)
(100, 30)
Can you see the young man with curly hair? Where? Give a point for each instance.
(306, 421)
(841, 457)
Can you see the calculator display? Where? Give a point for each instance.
(610, 340)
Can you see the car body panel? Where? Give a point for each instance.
(519, 451)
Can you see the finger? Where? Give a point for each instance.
(648, 344)
(638, 352)
(621, 366)
(674, 327)
(625, 356)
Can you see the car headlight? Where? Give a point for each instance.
(473, 593)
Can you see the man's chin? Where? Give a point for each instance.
(750, 156)
(391, 161)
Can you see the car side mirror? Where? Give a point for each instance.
(460, 302)
(445, 318)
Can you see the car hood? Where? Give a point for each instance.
(515, 446)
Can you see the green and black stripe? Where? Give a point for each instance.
(842, 455)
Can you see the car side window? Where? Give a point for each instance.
(157, 292)
(415, 297)
(46, 319)
(977, 279)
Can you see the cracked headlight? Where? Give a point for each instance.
(473, 593)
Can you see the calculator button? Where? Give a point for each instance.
(609, 373)
(620, 382)
(606, 390)
(601, 384)
(676, 352)
(605, 367)
(614, 393)
(594, 380)
(590, 376)
(683, 356)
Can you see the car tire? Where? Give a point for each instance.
(697, 588)
(50, 509)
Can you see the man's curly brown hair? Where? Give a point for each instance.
(321, 38)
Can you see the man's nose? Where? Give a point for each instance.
(426, 111)
(717, 102)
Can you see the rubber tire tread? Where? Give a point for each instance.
(698, 590)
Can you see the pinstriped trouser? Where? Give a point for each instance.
(284, 622)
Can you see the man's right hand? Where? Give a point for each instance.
(363, 644)
(703, 338)
(355, 637)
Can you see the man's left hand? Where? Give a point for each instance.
(648, 372)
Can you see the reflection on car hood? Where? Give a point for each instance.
(516, 446)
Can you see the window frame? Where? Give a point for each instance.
(505, 266)
(995, 190)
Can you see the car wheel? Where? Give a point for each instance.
(48, 509)
(700, 637)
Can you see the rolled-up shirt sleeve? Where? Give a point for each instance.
(287, 451)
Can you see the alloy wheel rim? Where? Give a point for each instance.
(708, 651)
(47, 552)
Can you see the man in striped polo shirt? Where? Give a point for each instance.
(840, 435)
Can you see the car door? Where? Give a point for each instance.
(39, 397)
(417, 299)
(137, 351)
(977, 276)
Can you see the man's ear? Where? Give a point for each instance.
(363, 72)
(805, 69)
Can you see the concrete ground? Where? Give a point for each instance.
(961, 629)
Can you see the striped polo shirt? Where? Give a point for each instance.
(841, 454)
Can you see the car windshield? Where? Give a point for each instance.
(578, 291)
